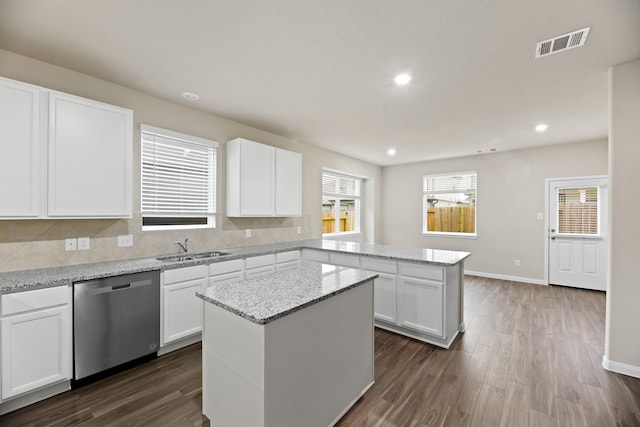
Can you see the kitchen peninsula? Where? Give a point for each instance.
(288, 349)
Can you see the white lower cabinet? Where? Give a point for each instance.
(289, 260)
(421, 299)
(226, 272)
(36, 347)
(181, 314)
(259, 266)
(384, 287)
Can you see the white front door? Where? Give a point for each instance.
(578, 232)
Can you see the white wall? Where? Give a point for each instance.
(511, 192)
(622, 340)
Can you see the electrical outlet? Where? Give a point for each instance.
(125, 240)
(516, 263)
(299, 229)
(84, 243)
(540, 215)
(70, 244)
(247, 233)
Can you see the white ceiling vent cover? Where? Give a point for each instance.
(562, 43)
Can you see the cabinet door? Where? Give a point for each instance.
(90, 151)
(288, 183)
(256, 179)
(420, 305)
(36, 350)
(182, 310)
(21, 150)
(384, 297)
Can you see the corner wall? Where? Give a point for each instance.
(622, 340)
(27, 244)
(511, 192)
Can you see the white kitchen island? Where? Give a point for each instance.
(294, 348)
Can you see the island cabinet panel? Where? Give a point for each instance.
(22, 148)
(420, 305)
(304, 369)
(36, 329)
(181, 314)
(384, 287)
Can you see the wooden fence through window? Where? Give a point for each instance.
(453, 219)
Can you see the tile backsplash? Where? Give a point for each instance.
(29, 244)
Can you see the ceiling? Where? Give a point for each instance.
(321, 72)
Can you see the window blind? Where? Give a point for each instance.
(447, 184)
(578, 211)
(340, 185)
(178, 174)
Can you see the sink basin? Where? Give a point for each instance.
(190, 257)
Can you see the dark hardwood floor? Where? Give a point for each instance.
(531, 356)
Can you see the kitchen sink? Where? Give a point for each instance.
(190, 257)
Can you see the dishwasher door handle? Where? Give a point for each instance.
(96, 287)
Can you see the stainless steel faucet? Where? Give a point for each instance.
(183, 246)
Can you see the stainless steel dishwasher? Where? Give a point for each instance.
(115, 320)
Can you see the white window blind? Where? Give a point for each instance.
(578, 211)
(447, 184)
(178, 174)
(340, 185)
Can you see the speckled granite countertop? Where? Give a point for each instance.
(265, 299)
(18, 281)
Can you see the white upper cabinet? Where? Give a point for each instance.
(262, 180)
(288, 183)
(90, 150)
(21, 150)
(62, 156)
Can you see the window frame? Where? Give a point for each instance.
(425, 193)
(181, 140)
(342, 196)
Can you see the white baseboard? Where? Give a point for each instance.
(505, 277)
(620, 368)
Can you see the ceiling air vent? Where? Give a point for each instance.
(562, 43)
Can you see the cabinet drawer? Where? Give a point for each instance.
(226, 267)
(344, 260)
(378, 265)
(317, 256)
(287, 256)
(422, 271)
(33, 300)
(259, 272)
(185, 273)
(260, 261)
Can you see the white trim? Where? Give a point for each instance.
(506, 277)
(620, 368)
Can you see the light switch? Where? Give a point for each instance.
(247, 233)
(540, 216)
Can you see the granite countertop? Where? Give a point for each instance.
(265, 299)
(18, 281)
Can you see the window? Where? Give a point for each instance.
(178, 180)
(578, 211)
(449, 203)
(340, 203)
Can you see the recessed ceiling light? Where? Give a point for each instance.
(190, 96)
(402, 79)
(391, 151)
(541, 127)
